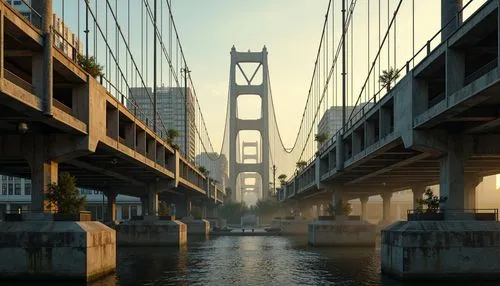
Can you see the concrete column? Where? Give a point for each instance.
(449, 10)
(110, 206)
(470, 184)
(152, 201)
(47, 57)
(370, 133)
(418, 191)
(337, 200)
(451, 181)
(385, 121)
(364, 202)
(356, 143)
(455, 70)
(144, 205)
(386, 205)
(43, 173)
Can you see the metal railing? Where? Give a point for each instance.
(453, 214)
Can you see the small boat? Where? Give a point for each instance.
(272, 229)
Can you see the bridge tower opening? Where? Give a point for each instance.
(255, 83)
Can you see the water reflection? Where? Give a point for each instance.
(248, 261)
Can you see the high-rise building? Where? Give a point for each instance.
(218, 169)
(170, 105)
(331, 122)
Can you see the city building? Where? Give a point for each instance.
(331, 121)
(218, 168)
(171, 113)
(15, 196)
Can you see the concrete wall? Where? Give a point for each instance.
(441, 250)
(39, 250)
(152, 233)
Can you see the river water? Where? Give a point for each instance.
(257, 260)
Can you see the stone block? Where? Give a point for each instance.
(197, 226)
(441, 250)
(342, 233)
(56, 250)
(151, 232)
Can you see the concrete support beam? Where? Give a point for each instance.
(110, 206)
(356, 143)
(112, 123)
(364, 202)
(370, 133)
(455, 70)
(449, 22)
(43, 173)
(386, 206)
(418, 191)
(451, 180)
(152, 201)
(385, 121)
(47, 57)
(337, 199)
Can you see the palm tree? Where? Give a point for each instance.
(282, 178)
(301, 165)
(388, 77)
(321, 137)
(171, 135)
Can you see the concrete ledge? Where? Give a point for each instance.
(56, 250)
(152, 233)
(342, 233)
(441, 250)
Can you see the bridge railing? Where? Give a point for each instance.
(460, 214)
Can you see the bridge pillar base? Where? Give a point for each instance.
(441, 250)
(36, 251)
(197, 227)
(341, 232)
(152, 231)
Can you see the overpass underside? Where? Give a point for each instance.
(80, 128)
(439, 125)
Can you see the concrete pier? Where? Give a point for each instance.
(198, 227)
(56, 250)
(441, 250)
(152, 232)
(341, 232)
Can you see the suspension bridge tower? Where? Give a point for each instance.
(251, 85)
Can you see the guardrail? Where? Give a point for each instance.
(462, 214)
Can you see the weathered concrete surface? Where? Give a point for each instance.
(341, 233)
(441, 250)
(62, 250)
(298, 226)
(152, 233)
(197, 226)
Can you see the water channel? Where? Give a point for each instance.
(249, 260)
